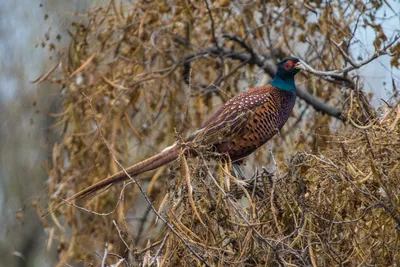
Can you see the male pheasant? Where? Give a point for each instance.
(238, 128)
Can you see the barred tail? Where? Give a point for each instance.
(166, 156)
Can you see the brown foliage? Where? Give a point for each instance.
(132, 62)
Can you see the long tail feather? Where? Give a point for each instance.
(166, 156)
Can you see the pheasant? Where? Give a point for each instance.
(237, 129)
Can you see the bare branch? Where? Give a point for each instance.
(212, 25)
(103, 262)
(344, 54)
(270, 69)
(241, 42)
(341, 75)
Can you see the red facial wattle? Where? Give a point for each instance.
(288, 64)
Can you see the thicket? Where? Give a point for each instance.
(138, 76)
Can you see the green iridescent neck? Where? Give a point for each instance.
(286, 84)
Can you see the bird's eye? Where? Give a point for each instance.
(288, 64)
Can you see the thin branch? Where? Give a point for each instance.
(377, 54)
(269, 69)
(344, 54)
(159, 249)
(212, 25)
(229, 199)
(142, 191)
(120, 236)
(341, 75)
(241, 42)
(103, 262)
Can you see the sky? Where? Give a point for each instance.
(379, 72)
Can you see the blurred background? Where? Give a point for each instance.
(26, 136)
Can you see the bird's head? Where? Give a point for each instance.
(288, 67)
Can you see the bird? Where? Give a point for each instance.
(238, 128)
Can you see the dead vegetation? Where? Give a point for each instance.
(137, 77)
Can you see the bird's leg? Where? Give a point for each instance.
(237, 171)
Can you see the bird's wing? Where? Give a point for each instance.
(233, 117)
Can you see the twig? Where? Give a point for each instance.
(84, 65)
(142, 190)
(220, 56)
(212, 25)
(142, 223)
(347, 221)
(344, 54)
(148, 247)
(270, 69)
(159, 249)
(43, 77)
(186, 174)
(103, 262)
(212, 87)
(94, 212)
(241, 42)
(377, 54)
(119, 262)
(341, 75)
(120, 236)
(227, 197)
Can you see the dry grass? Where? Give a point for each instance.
(340, 207)
(337, 204)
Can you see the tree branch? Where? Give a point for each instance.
(336, 76)
(270, 69)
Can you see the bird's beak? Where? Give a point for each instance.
(300, 66)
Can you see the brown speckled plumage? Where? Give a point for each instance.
(238, 128)
(247, 121)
